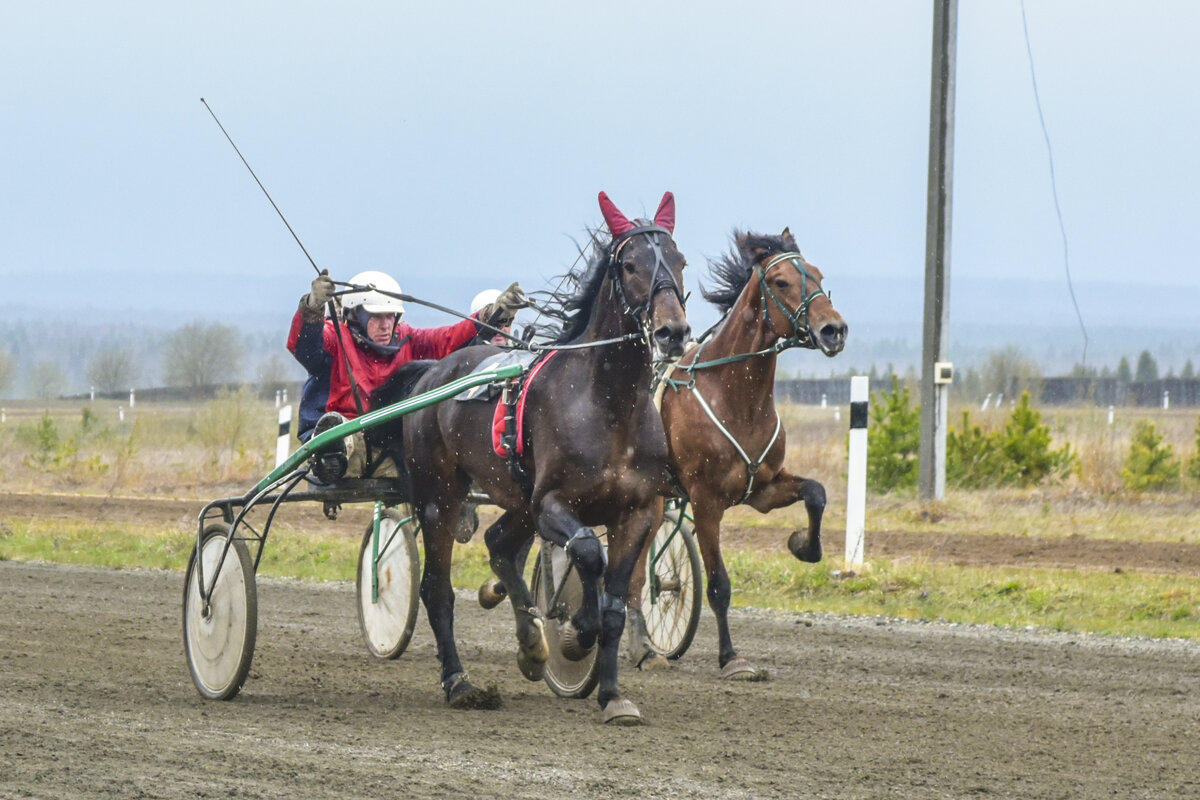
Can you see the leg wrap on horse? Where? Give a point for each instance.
(586, 551)
(612, 617)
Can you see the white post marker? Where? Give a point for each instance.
(92, 394)
(131, 399)
(120, 413)
(1110, 415)
(277, 398)
(3, 414)
(986, 400)
(283, 443)
(1166, 400)
(285, 395)
(823, 400)
(856, 489)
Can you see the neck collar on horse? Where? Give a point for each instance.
(801, 334)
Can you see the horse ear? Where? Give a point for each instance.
(665, 216)
(788, 240)
(617, 222)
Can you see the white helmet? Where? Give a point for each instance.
(374, 302)
(484, 298)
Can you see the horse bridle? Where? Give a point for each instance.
(801, 328)
(661, 278)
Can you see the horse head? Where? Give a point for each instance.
(647, 273)
(793, 300)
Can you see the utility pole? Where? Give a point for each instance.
(936, 370)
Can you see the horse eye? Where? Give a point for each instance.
(780, 283)
(629, 267)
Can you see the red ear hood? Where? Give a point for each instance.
(616, 221)
(665, 216)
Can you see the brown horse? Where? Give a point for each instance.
(718, 407)
(594, 453)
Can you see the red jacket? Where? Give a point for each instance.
(370, 368)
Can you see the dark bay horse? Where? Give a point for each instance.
(718, 406)
(594, 453)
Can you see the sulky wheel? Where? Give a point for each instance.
(671, 595)
(219, 639)
(389, 574)
(565, 677)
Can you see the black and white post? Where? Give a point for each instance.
(283, 443)
(856, 489)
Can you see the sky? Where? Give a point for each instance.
(460, 145)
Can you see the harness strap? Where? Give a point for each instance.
(752, 467)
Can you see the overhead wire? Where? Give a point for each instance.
(1053, 184)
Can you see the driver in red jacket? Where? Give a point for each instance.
(373, 342)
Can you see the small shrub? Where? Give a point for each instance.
(1151, 464)
(1026, 445)
(974, 459)
(894, 435)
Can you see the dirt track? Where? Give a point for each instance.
(96, 701)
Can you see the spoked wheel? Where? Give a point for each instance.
(389, 568)
(565, 677)
(219, 639)
(671, 595)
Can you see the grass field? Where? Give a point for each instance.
(223, 446)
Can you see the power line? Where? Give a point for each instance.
(1053, 183)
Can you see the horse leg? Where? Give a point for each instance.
(493, 592)
(508, 541)
(785, 489)
(627, 540)
(438, 595)
(641, 654)
(558, 524)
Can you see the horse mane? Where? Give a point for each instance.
(564, 311)
(400, 383)
(733, 270)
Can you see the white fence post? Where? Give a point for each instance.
(856, 489)
(131, 400)
(1110, 415)
(1166, 400)
(283, 443)
(120, 413)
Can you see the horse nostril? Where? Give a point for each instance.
(669, 334)
(833, 333)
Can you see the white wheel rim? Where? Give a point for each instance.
(385, 620)
(216, 642)
(667, 619)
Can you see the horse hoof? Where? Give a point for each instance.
(741, 669)
(620, 711)
(804, 547)
(467, 696)
(654, 661)
(539, 648)
(530, 667)
(492, 594)
(568, 636)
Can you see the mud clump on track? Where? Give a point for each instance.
(97, 702)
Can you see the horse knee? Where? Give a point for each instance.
(586, 551)
(719, 592)
(814, 496)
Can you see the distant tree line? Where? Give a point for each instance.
(192, 361)
(1007, 373)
